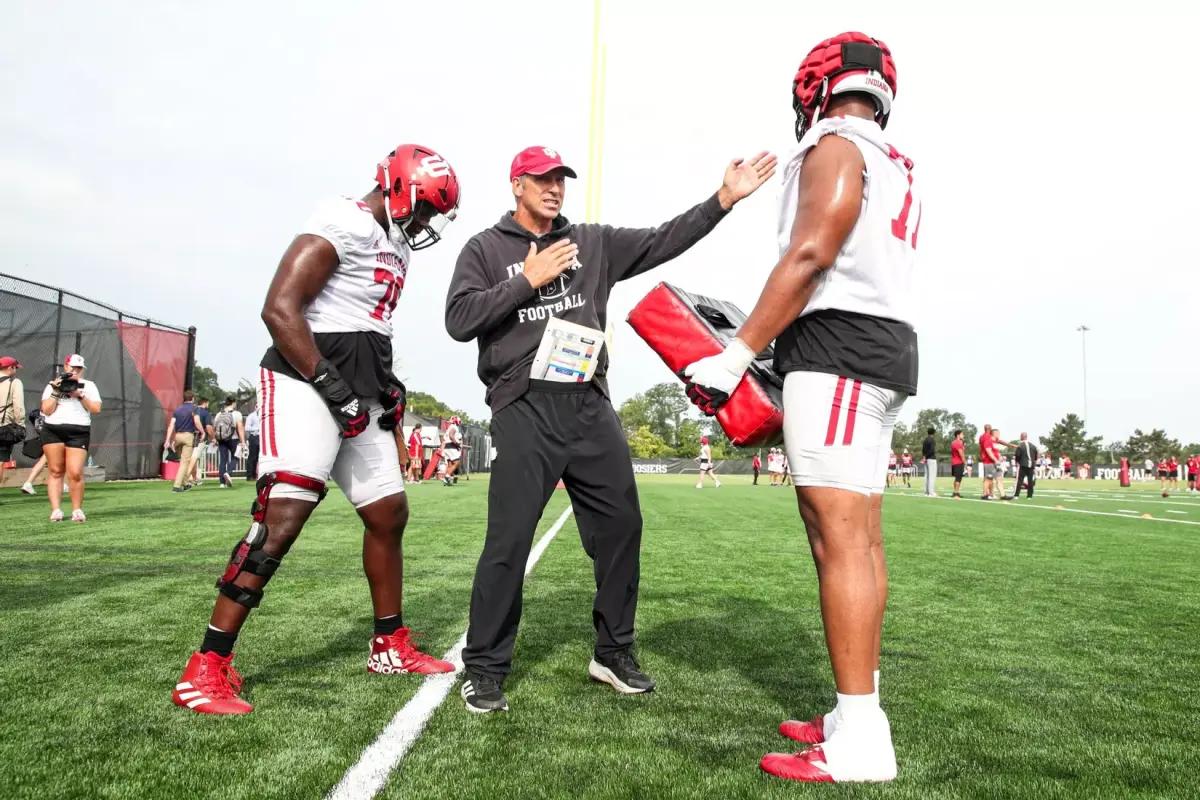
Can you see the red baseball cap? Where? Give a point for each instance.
(9, 361)
(538, 160)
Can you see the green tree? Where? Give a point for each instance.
(663, 409)
(1069, 436)
(901, 433)
(1192, 449)
(206, 385)
(688, 435)
(1154, 444)
(944, 423)
(645, 443)
(426, 405)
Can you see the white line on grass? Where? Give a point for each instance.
(1027, 504)
(1169, 511)
(368, 775)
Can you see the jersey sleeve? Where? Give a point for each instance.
(344, 223)
(91, 392)
(47, 391)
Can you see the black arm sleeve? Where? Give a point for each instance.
(632, 251)
(474, 305)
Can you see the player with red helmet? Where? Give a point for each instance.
(838, 305)
(331, 408)
(453, 450)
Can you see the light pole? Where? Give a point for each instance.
(1083, 329)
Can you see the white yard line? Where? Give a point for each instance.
(1170, 511)
(369, 774)
(1027, 504)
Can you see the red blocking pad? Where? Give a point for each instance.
(683, 327)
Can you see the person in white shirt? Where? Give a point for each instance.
(253, 428)
(452, 450)
(706, 464)
(68, 402)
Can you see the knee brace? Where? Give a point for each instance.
(248, 555)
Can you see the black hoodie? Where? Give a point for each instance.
(491, 300)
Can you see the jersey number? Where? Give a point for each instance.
(900, 223)
(391, 295)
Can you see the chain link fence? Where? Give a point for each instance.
(140, 367)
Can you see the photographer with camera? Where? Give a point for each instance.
(68, 402)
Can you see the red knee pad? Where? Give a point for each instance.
(683, 327)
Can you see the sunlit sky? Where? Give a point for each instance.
(161, 158)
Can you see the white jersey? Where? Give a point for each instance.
(874, 271)
(705, 452)
(363, 290)
(70, 411)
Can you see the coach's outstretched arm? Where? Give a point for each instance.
(831, 194)
(475, 306)
(633, 251)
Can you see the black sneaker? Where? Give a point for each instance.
(620, 670)
(482, 694)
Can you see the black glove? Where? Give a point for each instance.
(348, 411)
(394, 397)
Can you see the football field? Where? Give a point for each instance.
(1041, 650)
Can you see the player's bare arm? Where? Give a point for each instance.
(831, 192)
(302, 273)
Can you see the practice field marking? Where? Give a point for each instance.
(1172, 511)
(1027, 504)
(369, 774)
(1061, 494)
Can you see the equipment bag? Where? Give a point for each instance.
(683, 327)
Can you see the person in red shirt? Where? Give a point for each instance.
(756, 465)
(1173, 471)
(416, 451)
(958, 461)
(1066, 466)
(989, 457)
(1193, 465)
(1163, 475)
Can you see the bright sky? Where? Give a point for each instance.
(160, 159)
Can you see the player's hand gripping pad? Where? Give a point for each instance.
(683, 328)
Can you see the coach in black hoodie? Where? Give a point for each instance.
(509, 280)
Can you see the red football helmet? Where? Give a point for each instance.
(417, 182)
(849, 62)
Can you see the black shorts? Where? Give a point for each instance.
(1162, 473)
(77, 436)
(6, 451)
(1191, 476)
(957, 471)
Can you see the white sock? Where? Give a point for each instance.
(876, 676)
(852, 707)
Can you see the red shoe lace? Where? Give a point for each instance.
(406, 648)
(222, 683)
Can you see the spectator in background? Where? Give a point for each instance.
(756, 465)
(253, 426)
(1025, 457)
(989, 456)
(1193, 472)
(182, 433)
(775, 466)
(1065, 463)
(906, 467)
(229, 431)
(929, 459)
(957, 462)
(68, 402)
(452, 451)
(12, 410)
(199, 465)
(1173, 471)
(416, 452)
(38, 420)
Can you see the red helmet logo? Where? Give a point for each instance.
(417, 181)
(848, 62)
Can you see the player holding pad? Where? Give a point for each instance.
(839, 302)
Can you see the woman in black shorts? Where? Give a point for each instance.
(68, 402)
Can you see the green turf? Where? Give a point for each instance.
(1028, 652)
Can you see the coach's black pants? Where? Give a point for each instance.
(251, 456)
(1024, 474)
(567, 431)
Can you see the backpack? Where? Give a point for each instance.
(224, 426)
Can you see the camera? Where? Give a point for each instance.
(68, 383)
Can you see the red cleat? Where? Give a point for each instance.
(395, 653)
(808, 766)
(210, 685)
(811, 732)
